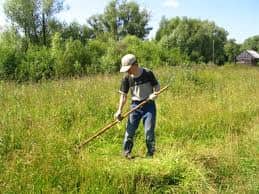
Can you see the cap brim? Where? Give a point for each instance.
(125, 69)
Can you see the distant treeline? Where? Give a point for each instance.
(37, 46)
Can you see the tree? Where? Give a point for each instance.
(232, 49)
(251, 43)
(48, 9)
(132, 20)
(77, 32)
(202, 41)
(121, 19)
(166, 26)
(96, 24)
(110, 18)
(32, 17)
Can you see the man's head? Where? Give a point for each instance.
(127, 62)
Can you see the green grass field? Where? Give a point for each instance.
(207, 135)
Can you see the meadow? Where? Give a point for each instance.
(207, 135)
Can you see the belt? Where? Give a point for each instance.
(140, 101)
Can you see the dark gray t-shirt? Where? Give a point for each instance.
(140, 87)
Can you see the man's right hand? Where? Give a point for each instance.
(117, 115)
(152, 96)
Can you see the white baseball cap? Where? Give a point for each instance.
(127, 61)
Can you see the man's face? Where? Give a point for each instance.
(132, 69)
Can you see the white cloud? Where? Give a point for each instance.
(171, 3)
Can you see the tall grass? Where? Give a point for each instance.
(207, 135)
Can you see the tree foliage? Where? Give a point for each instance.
(77, 32)
(32, 17)
(202, 41)
(121, 18)
(232, 49)
(251, 43)
(36, 65)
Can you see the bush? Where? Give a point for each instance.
(10, 54)
(70, 57)
(57, 50)
(7, 63)
(37, 65)
(173, 57)
(110, 61)
(147, 52)
(74, 53)
(97, 48)
(150, 54)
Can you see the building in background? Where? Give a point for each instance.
(248, 57)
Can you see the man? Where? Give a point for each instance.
(143, 85)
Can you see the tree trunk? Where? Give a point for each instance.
(44, 29)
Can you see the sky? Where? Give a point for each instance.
(240, 18)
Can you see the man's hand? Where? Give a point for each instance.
(117, 115)
(152, 96)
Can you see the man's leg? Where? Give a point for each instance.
(149, 121)
(132, 125)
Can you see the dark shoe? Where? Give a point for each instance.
(128, 156)
(149, 155)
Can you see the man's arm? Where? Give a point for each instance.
(155, 85)
(122, 102)
(154, 82)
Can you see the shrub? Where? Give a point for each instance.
(74, 52)
(147, 52)
(97, 48)
(110, 61)
(70, 57)
(37, 65)
(57, 50)
(10, 54)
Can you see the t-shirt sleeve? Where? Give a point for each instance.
(124, 88)
(153, 79)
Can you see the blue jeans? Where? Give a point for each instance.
(148, 114)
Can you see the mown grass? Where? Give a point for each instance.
(207, 135)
